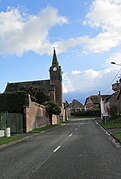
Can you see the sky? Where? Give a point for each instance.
(85, 33)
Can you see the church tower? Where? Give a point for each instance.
(56, 79)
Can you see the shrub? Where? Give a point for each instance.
(52, 108)
(91, 113)
(13, 102)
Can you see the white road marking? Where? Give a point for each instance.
(76, 129)
(34, 171)
(70, 135)
(56, 149)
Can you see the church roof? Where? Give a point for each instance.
(12, 87)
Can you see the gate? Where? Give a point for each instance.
(12, 120)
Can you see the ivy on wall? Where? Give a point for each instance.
(14, 102)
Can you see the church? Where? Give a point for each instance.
(20, 112)
(53, 86)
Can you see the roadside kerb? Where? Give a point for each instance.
(17, 141)
(27, 137)
(109, 133)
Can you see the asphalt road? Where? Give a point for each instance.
(77, 150)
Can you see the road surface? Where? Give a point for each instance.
(77, 150)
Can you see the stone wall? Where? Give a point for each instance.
(54, 119)
(2, 133)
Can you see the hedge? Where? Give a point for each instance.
(91, 113)
(14, 102)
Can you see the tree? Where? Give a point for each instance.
(41, 96)
(52, 108)
(38, 94)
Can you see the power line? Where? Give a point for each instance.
(112, 81)
(81, 79)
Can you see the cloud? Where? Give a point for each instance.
(116, 2)
(81, 81)
(92, 81)
(19, 34)
(104, 15)
(86, 83)
(75, 72)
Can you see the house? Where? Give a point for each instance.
(30, 114)
(115, 98)
(92, 103)
(75, 106)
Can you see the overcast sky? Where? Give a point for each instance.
(86, 34)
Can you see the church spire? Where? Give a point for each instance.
(55, 61)
(56, 79)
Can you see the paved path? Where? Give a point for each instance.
(78, 150)
(115, 130)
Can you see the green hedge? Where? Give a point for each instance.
(92, 113)
(13, 102)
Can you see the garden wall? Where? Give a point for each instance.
(36, 116)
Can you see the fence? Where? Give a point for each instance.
(12, 120)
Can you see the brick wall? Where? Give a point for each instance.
(36, 116)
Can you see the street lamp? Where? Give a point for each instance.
(114, 63)
(119, 64)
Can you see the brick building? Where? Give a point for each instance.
(92, 103)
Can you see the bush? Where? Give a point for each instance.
(52, 108)
(13, 102)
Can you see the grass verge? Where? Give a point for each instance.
(37, 130)
(65, 122)
(6, 140)
(118, 135)
(112, 124)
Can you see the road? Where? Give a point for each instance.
(77, 150)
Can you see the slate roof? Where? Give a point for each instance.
(93, 98)
(75, 104)
(104, 96)
(12, 87)
(112, 98)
